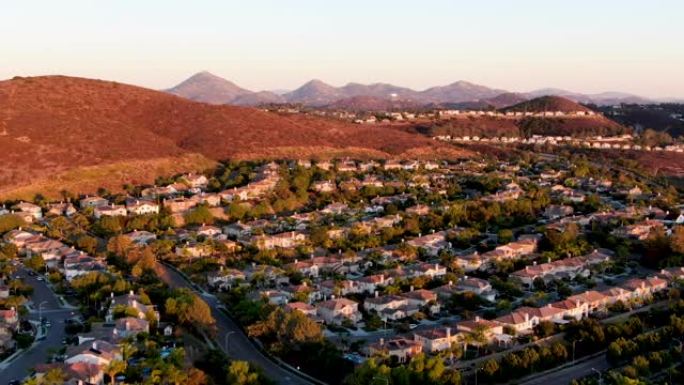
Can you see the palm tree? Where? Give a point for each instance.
(115, 367)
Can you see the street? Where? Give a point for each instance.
(564, 376)
(230, 337)
(40, 352)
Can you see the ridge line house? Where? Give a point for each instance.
(112, 210)
(567, 267)
(28, 211)
(141, 206)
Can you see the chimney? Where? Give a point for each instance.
(477, 318)
(527, 317)
(411, 287)
(382, 341)
(94, 345)
(376, 294)
(130, 293)
(296, 261)
(451, 283)
(448, 332)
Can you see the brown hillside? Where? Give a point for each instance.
(548, 103)
(51, 125)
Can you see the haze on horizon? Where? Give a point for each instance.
(584, 46)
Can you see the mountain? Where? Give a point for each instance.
(59, 132)
(601, 99)
(208, 88)
(314, 92)
(460, 91)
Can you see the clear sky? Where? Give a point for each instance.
(588, 46)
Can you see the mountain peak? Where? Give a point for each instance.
(209, 88)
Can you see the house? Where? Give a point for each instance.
(558, 211)
(422, 298)
(369, 284)
(418, 210)
(141, 207)
(195, 180)
(469, 262)
(305, 308)
(336, 311)
(478, 286)
(133, 304)
(141, 237)
(179, 205)
(92, 202)
(400, 348)
(595, 301)
(544, 313)
(208, 231)
(110, 211)
(29, 209)
(435, 340)
(644, 288)
(9, 318)
(129, 327)
(432, 270)
(488, 328)
(323, 186)
(282, 240)
(431, 243)
(572, 309)
(58, 209)
(96, 352)
(224, 278)
(521, 322)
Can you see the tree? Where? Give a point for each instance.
(240, 373)
(119, 245)
(490, 368)
(199, 216)
(677, 240)
(35, 263)
(190, 310)
(10, 222)
(545, 329)
(115, 367)
(87, 244)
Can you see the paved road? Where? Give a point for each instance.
(564, 376)
(230, 337)
(39, 353)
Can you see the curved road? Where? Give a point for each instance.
(230, 337)
(39, 352)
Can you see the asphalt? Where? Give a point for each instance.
(230, 338)
(40, 351)
(566, 375)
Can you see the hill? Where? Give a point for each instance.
(490, 126)
(548, 103)
(53, 125)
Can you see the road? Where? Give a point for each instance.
(40, 352)
(230, 337)
(564, 376)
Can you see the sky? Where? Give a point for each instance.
(518, 45)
